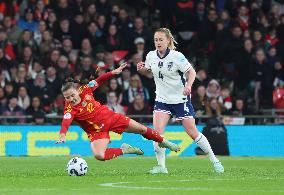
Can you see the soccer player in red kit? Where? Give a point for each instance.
(97, 120)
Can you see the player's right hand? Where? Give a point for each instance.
(62, 138)
(140, 65)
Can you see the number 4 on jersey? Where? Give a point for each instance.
(161, 75)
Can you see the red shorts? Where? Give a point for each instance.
(116, 123)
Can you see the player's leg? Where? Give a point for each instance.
(202, 142)
(150, 134)
(160, 121)
(101, 152)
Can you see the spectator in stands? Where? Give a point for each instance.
(200, 79)
(225, 100)
(140, 30)
(125, 25)
(26, 40)
(10, 90)
(63, 9)
(114, 87)
(240, 108)
(199, 100)
(263, 78)
(86, 49)
(140, 107)
(102, 26)
(38, 87)
(52, 81)
(278, 74)
(37, 36)
(79, 29)
(124, 79)
(28, 21)
(86, 67)
(34, 107)
(67, 47)
(113, 39)
(213, 89)
(57, 107)
(91, 13)
(20, 76)
(52, 58)
(47, 43)
(213, 108)
(12, 109)
(64, 31)
(3, 79)
(6, 45)
(109, 61)
(13, 31)
(103, 7)
(113, 104)
(3, 98)
(37, 69)
(62, 68)
(41, 12)
(51, 20)
(23, 97)
(139, 48)
(135, 87)
(92, 34)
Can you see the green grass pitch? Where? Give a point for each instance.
(127, 175)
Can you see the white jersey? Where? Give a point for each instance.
(169, 75)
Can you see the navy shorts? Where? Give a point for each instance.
(181, 111)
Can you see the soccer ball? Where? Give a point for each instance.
(77, 167)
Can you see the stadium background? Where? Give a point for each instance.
(236, 47)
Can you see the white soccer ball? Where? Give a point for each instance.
(77, 167)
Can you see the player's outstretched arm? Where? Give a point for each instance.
(106, 76)
(119, 69)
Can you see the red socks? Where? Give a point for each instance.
(111, 153)
(153, 135)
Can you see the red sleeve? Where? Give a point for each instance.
(104, 77)
(67, 118)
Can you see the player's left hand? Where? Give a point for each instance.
(119, 69)
(187, 90)
(62, 138)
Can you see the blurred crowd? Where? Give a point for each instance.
(236, 47)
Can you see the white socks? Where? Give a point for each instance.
(160, 155)
(203, 143)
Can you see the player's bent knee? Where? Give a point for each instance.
(100, 157)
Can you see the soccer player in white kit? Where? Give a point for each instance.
(173, 76)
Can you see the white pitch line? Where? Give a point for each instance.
(122, 185)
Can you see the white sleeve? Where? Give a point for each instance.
(182, 63)
(147, 62)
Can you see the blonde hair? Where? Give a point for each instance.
(169, 36)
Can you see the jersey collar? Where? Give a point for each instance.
(167, 53)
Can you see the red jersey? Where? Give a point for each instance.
(89, 113)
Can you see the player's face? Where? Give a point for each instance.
(161, 41)
(72, 96)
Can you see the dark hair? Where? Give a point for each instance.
(74, 83)
(69, 83)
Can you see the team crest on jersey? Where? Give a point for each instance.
(84, 103)
(169, 66)
(88, 97)
(160, 64)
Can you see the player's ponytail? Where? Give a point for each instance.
(169, 36)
